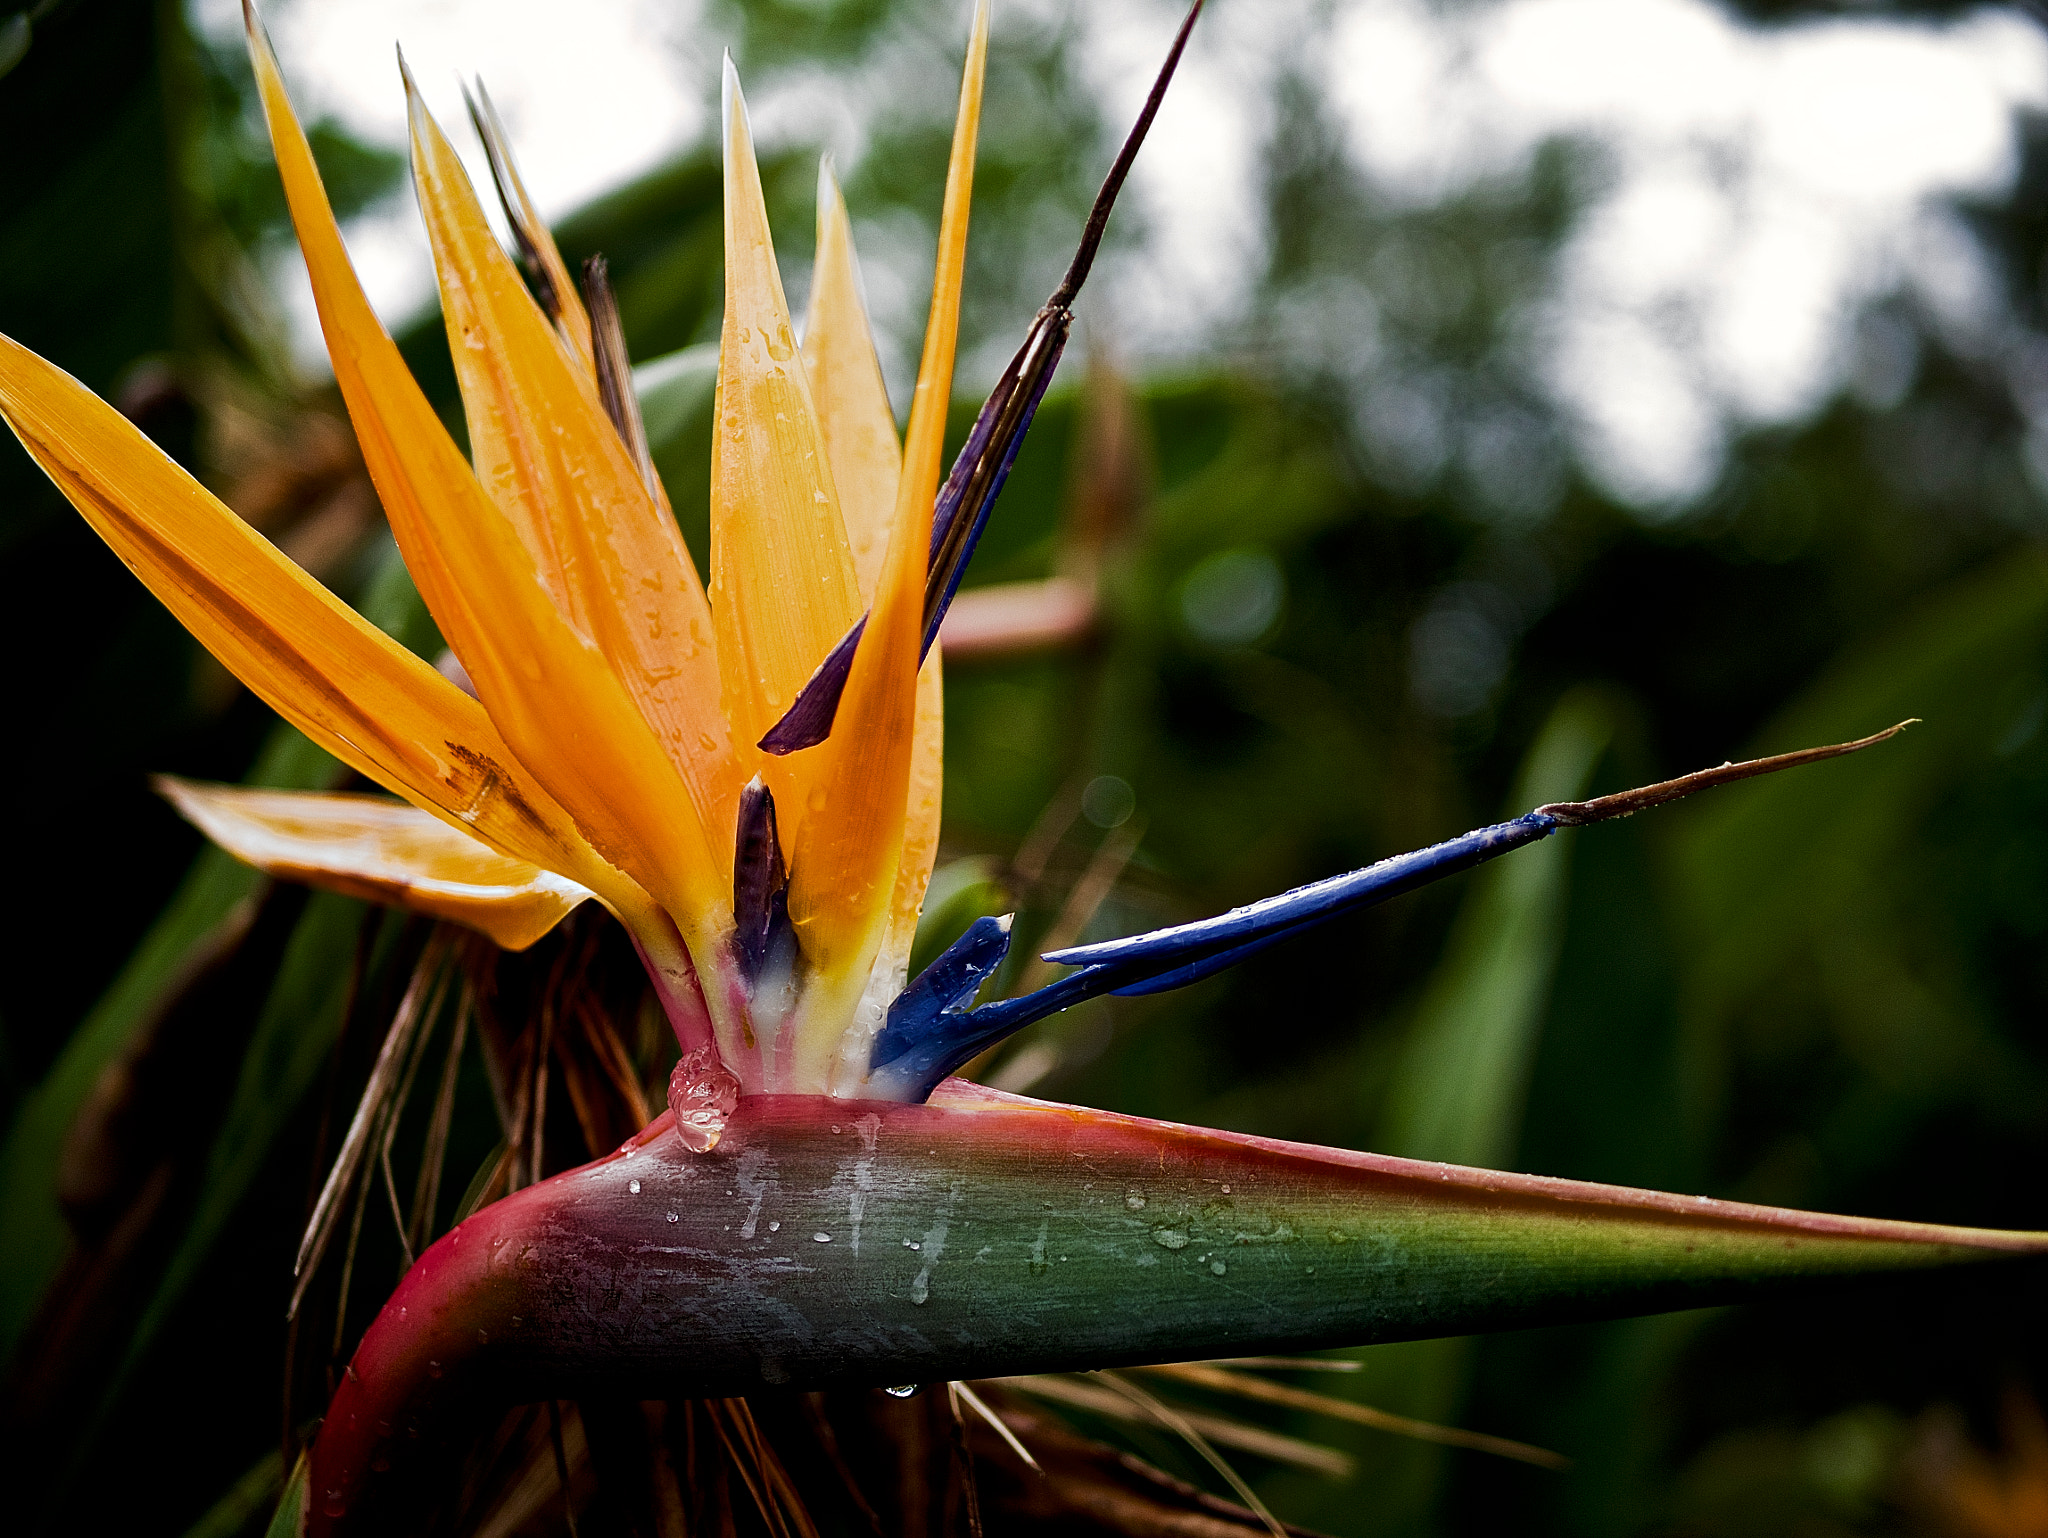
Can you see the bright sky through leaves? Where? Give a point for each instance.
(1763, 183)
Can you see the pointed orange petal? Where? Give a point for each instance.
(547, 688)
(383, 851)
(783, 589)
(920, 833)
(572, 323)
(847, 387)
(554, 464)
(850, 849)
(340, 680)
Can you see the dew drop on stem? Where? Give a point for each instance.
(703, 1094)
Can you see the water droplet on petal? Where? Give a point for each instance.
(633, 1186)
(822, 1238)
(774, 1228)
(1170, 1238)
(901, 1391)
(703, 1094)
(1135, 1200)
(433, 1369)
(1218, 1267)
(674, 1217)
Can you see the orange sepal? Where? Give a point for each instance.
(547, 688)
(383, 851)
(847, 388)
(332, 674)
(867, 463)
(920, 832)
(850, 848)
(783, 589)
(556, 467)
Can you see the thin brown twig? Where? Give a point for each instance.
(426, 1196)
(664, 1486)
(1027, 867)
(538, 1095)
(394, 1106)
(716, 1411)
(313, 1243)
(615, 1061)
(1224, 1432)
(1181, 1426)
(1624, 803)
(367, 928)
(561, 1464)
(348, 1271)
(1104, 869)
(963, 1459)
(828, 1443)
(997, 1424)
(784, 1488)
(1246, 1386)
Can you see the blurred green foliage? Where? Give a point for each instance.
(1827, 991)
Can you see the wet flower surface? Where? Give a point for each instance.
(745, 772)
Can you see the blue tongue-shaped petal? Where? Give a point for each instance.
(932, 1030)
(976, 479)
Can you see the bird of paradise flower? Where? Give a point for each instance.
(748, 777)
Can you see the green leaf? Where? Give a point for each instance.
(961, 891)
(290, 1520)
(1456, 1092)
(1457, 1089)
(676, 393)
(16, 33)
(33, 1233)
(255, 1491)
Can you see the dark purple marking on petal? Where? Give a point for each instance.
(961, 510)
(808, 721)
(760, 882)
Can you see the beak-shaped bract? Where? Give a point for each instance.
(974, 1249)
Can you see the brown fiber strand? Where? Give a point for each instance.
(1572, 814)
(1245, 1386)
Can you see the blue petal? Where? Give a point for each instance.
(1306, 905)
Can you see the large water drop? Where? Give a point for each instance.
(703, 1094)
